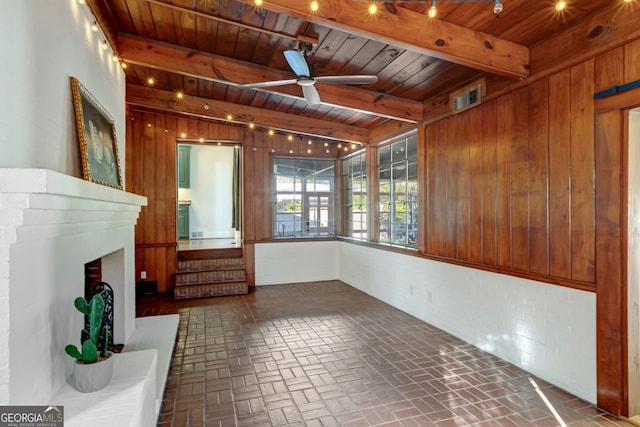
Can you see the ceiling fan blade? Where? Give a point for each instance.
(311, 95)
(267, 84)
(297, 62)
(347, 80)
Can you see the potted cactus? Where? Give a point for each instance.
(93, 369)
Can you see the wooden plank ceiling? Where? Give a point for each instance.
(205, 48)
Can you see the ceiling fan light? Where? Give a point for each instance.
(498, 8)
(433, 10)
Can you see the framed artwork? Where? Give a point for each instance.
(97, 137)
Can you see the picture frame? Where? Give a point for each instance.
(97, 138)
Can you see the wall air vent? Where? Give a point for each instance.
(467, 97)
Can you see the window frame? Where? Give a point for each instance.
(302, 197)
(347, 197)
(397, 197)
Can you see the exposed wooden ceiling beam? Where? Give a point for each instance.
(414, 31)
(195, 106)
(301, 37)
(178, 59)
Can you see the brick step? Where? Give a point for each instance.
(211, 264)
(210, 253)
(210, 290)
(207, 277)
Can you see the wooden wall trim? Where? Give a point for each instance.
(157, 245)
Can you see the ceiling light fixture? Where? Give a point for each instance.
(433, 10)
(498, 8)
(560, 5)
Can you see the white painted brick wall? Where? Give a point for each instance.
(66, 223)
(545, 329)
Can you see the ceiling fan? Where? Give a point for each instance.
(304, 77)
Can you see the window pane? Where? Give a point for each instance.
(398, 150)
(398, 192)
(303, 197)
(354, 196)
(384, 156)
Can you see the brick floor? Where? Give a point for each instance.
(325, 354)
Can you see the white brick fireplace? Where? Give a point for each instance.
(51, 224)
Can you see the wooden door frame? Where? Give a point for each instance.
(612, 239)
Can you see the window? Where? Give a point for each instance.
(303, 197)
(354, 196)
(398, 192)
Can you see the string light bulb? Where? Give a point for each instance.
(433, 10)
(498, 8)
(104, 45)
(271, 132)
(251, 126)
(257, 2)
(560, 5)
(123, 65)
(373, 8)
(150, 81)
(94, 26)
(229, 117)
(179, 94)
(314, 6)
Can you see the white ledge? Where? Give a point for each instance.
(45, 181)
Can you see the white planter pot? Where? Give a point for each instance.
(94, 376)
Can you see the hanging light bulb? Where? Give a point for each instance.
(314, 6)
(433, 10)
(257, 2)
(560, 5)
(94, 26)
(373, 8)
(497, 8)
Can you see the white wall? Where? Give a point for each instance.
(211, 191)
(43, 43)
(545, 329)
(633, 272)
(294, 262)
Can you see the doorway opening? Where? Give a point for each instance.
(208, 195)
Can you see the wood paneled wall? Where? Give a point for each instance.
(510, 184)
(151, 171)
